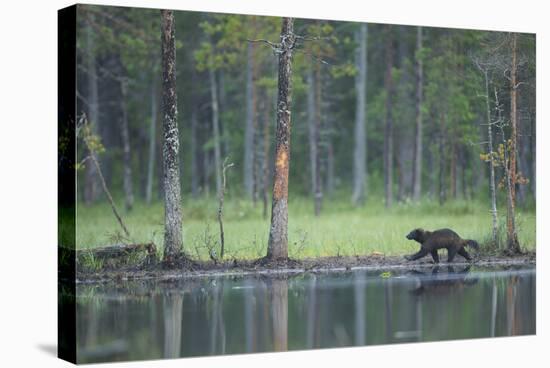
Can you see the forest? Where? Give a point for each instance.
(351, 134)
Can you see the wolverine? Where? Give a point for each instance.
(431, 241)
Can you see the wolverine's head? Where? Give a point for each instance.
(416, 234)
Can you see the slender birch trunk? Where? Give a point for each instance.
(492, 185)
(91, 189)
(249, 127)
(195, 178)
(152, 142)
(313, 130)
(215, 128)
(173, 238)
(388, 127)
(127, 157)
(417, 166)
(512, 239)
(360, 146)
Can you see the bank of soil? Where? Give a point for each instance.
(186, 268)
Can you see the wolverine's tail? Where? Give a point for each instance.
(473, 244)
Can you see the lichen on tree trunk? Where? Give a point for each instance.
(278, 233)
(173, 241)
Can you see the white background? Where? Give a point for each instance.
(28, 138)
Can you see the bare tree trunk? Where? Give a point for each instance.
(224, 142)
(360, 150)
(492, 185)
(215, 128)
(206, 161)
(442, 142)
(388, 128)
(194, 127)
(265, 165)
(453, 169)
(400, 161)
(152, 142)
(313, 129)
(249, 127)
(512, 239)
(523, 167)
(220, 208)
(127, 157)
(173, 240)
(318, 188)
(102, 179)
(417, 166)
(533, 158)
(278, 233)
(194, 150)
(91, 187)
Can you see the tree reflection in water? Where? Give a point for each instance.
(232, 315)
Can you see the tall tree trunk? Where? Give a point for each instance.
(523, 167)
(492, 185)
(360, 146)
(330, 167)
(194, 131)
(313, 130)
(431, 170)
(249, 127)
(278, 233)
(453, 169)
(442, 142)
(512, 239)
(152, 142)
(400, 161)
(127, 157)
(224, 142)
(173, 240)
(318, 188)
(388, 128)
(91, 183)
(417, 166)
(533, 157)
(215, 129)
(265, 164)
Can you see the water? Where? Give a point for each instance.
(233, 315)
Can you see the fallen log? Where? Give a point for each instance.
(116, 256)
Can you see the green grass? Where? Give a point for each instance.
(340, 230)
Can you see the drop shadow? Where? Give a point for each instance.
(50, 349)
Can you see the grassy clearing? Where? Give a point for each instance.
(340, 230)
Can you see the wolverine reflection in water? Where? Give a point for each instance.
(436, 282)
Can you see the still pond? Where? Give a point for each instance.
(232, 315)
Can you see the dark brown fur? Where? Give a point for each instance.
(431, 241)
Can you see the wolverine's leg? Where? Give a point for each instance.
(421, 253)
(464, 254)
(451, 251)
(435, 256)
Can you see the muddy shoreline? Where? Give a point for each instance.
(192, 269)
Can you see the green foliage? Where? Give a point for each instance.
(341, 230)
(126, 46)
